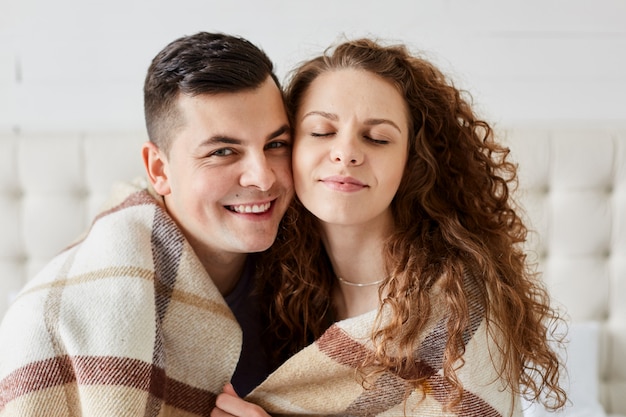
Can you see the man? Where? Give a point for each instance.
(147, 314)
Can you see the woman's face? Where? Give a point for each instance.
(350, 147)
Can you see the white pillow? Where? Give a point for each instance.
(582, 379)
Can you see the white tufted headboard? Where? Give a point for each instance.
(51, 186)
(573, 185)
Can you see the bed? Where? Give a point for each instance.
(572, 189)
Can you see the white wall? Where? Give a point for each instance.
(79, 64)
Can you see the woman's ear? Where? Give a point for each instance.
(156, 166)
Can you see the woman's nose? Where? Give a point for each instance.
(347, 151)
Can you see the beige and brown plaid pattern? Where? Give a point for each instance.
(321, 380)
(126, 322)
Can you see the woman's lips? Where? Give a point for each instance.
(341, 183)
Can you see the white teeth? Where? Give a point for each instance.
(255, 208)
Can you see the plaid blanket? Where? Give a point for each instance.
(126, 322)
(322, 379)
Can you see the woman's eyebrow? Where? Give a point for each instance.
(326, 115)
(369, 122)
(374, 122)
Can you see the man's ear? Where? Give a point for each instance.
(156, 166)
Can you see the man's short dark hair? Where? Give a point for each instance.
(204, 63)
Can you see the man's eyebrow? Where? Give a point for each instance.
(218, 139)
(279, 132)
(369, 122)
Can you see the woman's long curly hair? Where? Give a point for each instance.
(453, 213)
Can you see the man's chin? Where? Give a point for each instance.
(260, 245)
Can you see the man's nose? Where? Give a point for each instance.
(258, 173)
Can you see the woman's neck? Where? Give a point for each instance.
(356, 254)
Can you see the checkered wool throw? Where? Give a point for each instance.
(322, 380)
(126, 323)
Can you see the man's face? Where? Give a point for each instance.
(227, 179)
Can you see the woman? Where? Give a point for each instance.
(401, 256)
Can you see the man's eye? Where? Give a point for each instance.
(320, 135)
(277, 144)
(222, 152)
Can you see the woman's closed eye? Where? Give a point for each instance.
(322, 134)
(376, 141)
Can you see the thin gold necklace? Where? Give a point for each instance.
(358, 284)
